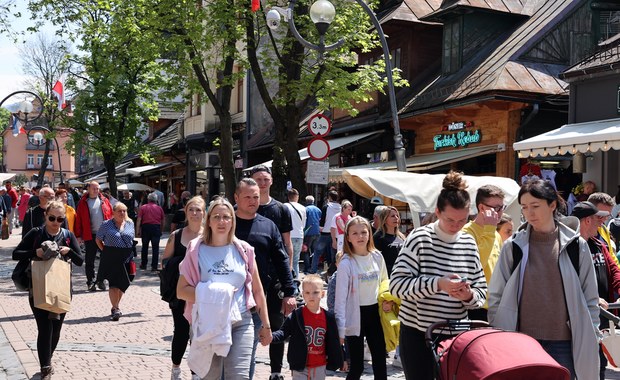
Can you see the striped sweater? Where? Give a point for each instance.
(427, 255)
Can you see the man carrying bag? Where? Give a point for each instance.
(50, 249)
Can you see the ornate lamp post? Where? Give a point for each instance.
(322, 13)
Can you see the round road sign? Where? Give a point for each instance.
(318, 149)
(319, 125)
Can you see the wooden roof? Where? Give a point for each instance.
(518, 7)
(411, 10)
(603, 60)
(498, 67)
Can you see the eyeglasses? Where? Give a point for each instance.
(218, 218)
(499, 208)
(58, 219)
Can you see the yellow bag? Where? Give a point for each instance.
(389, 320)
(5, 229)
(51, 285)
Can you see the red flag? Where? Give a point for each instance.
(59, 91)
(255, 5)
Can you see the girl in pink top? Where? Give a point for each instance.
(24, 197)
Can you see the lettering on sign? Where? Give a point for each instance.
(455, 140)
(458, 125)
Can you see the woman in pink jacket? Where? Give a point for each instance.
(22, 207)
(218, 257)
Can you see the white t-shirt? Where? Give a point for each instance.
(224, 264)
(299, 222)
(369, 275)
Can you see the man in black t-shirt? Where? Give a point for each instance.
(273, 265)
(273, 209)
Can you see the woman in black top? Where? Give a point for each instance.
(48, 324)
(195, 211)
(388, 238)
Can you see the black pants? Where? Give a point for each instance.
(478, 314)
(180, 336)
(90, 256)
(48, 326)
(276, 319)
(372, 330)
(151, 233)
(417, 359)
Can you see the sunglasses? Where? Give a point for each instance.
(496, 208)
(58, 219)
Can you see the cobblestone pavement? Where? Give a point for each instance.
(93, 347)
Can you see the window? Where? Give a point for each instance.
(30, 159)
(49, 160)
(395, 58)
(452, 49)
(39, 159)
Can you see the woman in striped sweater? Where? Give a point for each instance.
(437, 275)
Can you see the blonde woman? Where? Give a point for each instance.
(115, 240)
(388, 238)
(174, 253)
(218, 260)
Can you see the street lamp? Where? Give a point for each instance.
(322, 13)
(22, 106)
(36, 137)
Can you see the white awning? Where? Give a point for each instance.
(104, 174)
(421, 162)
(143, 169)
(584, 137)
(334, 144)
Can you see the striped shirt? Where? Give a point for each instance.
(427, 255)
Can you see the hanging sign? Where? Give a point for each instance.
(319, 125)
(318, 149)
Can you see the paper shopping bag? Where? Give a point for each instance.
(51, 285)
(611, 345)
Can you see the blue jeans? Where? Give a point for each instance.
(311, 242)
(324, 247)
(562, 352)
(151, 233)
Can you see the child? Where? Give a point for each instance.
(361, 271)
(331, 285)
(314, 344)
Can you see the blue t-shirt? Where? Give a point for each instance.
(313, 220)
(225, 265)
(111, 236)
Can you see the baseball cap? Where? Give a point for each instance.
(585, 209)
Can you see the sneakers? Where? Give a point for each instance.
(116, 315)
(396, 362)
(92, 287)
(176, 373)
(47, 372)
(276, 376)
(101, 285)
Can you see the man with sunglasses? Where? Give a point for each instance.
(490, 206)
(92, 210)
(35, 216)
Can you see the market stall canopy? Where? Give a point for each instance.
(134, 187)
(6, 176)
(584, 137)
(420, 191)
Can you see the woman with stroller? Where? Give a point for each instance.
(437, 276)
(537, 288)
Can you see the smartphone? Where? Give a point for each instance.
(464, 279)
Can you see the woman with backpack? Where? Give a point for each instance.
(48, 324)
(174, 253)
(536, 268)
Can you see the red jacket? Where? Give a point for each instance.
(14, 196)
(82, 220)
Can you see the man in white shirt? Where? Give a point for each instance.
(298, 217)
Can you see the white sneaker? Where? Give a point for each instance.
(367, 355)
(396, 363)
(176, 373)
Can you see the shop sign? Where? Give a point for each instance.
(462, 138)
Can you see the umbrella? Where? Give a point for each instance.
(135, 187)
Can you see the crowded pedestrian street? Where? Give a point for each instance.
(91, 345)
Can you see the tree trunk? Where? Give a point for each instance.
(110, 166)
(226, 156)
(279, 170)
(291, 151)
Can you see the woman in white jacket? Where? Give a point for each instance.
(544, 292)
(218, 258)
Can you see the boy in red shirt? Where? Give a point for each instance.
(314, 345)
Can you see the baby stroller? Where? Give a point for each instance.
(480, 352)
(611, 336)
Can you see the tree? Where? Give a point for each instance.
(116, 73)
(43, 62)
(203, 42)
(306, 81)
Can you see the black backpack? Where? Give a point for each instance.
(169, 277)
(572, 249)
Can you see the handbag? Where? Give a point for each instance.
(21, 275)
(51, 285)
(130, 266)
(611, 345)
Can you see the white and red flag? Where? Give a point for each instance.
(59, 91)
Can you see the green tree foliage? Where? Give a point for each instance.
(305, 81)
(204, 43)
(116, 73)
